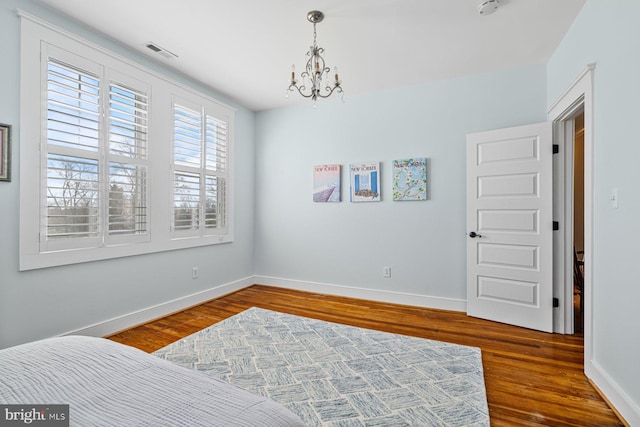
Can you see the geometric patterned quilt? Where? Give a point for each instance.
(338, 375)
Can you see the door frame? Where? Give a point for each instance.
(576, 98)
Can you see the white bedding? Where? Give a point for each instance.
(110, 384)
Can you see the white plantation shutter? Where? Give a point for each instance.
(217, 139)
(200, 156)
(90, 201)
(187, 155)
(72, 197)
(72, 209)
(127, 199)
(216, 170)
(187, 137)
(186, 201)
(128, 161)
(73, 105)
(215, 213)
(128, 109)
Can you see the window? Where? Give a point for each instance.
(200, 171)
(125, 161)
(96, 165)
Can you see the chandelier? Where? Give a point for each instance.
(316, 76)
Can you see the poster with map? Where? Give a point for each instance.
(365, 182)
(326, 183)
(410, 179)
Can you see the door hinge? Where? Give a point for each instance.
(556, 148)
(556, 226)
(556, 303)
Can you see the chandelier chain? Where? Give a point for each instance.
(315, 35)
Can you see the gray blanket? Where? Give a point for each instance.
(110, 384)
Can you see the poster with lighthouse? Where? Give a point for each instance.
(365, 182)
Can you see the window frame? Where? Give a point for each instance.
(36, 34)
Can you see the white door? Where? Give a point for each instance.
(510, 226)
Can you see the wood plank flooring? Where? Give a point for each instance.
(532, 378)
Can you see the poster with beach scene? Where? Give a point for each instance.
(410, 179)
(365, 182)
(326, 183)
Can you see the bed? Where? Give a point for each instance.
(110, 384)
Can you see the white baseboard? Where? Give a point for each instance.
(612, 392)
(367, 294)
(145, 315)
(148, 314)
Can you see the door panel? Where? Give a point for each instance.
(505, 221)
(508, 291)
(508, 256)
(509, 211)
(524, 185)
(506, 151)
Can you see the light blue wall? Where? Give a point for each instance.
(348, 244)
(607, 32)
(46, 302)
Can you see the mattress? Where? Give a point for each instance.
(110, 384)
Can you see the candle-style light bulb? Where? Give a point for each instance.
(335, 72)
(293, 73)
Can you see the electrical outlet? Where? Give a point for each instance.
(194, 273)
(386, 271)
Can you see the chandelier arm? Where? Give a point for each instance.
(293, 86)
(330, 90)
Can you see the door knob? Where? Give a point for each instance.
(473, 235)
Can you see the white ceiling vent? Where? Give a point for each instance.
(160, 50)
(487, 7)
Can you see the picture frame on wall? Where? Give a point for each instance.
(5, 152)
(410, 179)
(326, 183)
(365, 182)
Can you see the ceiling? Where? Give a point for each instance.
(244, 48)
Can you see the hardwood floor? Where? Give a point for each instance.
(532, 378)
